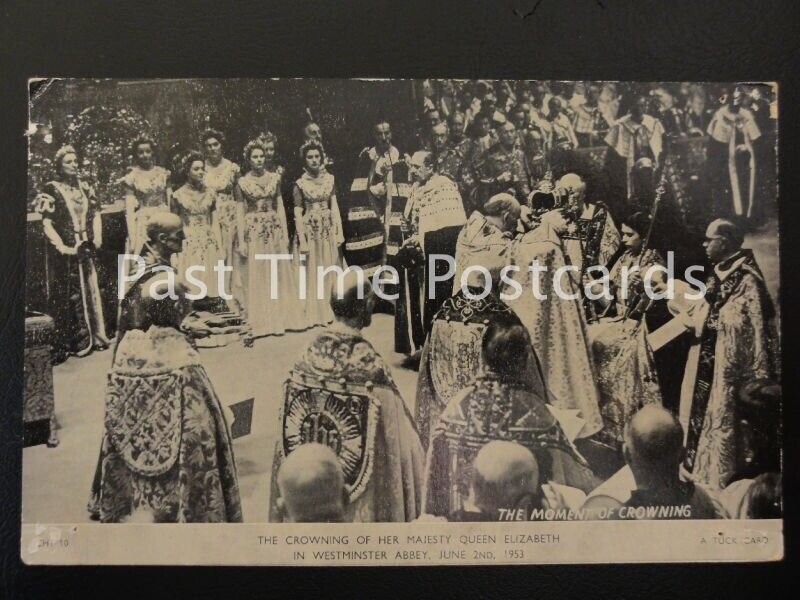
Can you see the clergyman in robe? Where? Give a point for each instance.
(452, 357)
(498, 405)
(362, 418)
(734, 344)
(556, 322)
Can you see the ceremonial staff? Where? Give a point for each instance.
(628, 339)
(660, 191)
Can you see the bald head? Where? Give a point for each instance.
(311, 485)
(421, 166)
(653, 443)
(572, 182)
(503, 474)
(506, 207)
(421, 157)
(162, 222)
(312, 131)
(727, 230)
(723, 239)
(500, 203)
(165, 233)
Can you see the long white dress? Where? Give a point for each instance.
(221, 178)
(265, 232)
(322, 226)
(202, 245)
(145, 195)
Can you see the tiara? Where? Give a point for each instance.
(63, 151)
(311, 144)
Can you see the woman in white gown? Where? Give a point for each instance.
(262, 229)
(319, 230)
(195, 204)
(221, 176)
(624, 362)
(147, 191)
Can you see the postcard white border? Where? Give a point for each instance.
(404, 544)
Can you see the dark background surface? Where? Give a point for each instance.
(649, 40)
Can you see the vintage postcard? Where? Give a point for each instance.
(401, 322)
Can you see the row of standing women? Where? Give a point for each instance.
(233, 216)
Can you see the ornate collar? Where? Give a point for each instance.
(729, 265)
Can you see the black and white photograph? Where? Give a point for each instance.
(477, 316)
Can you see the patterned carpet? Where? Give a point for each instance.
(56, 481)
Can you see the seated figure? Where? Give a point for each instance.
(653, 450)
(498, 405)
(624, 361)
(452, 355)
(505, 479)
(311, 484)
